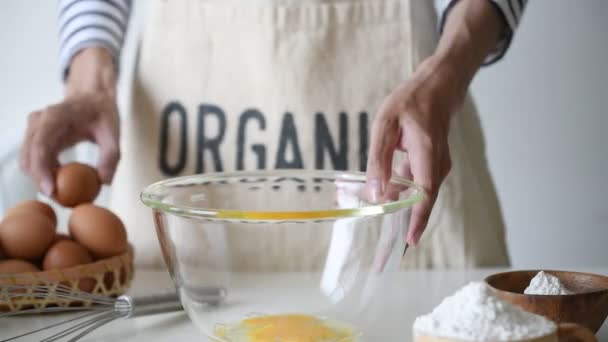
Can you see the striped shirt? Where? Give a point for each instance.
(86, 23)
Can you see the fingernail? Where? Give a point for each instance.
(46, 187)
(410, 240)
(375, 189)
(105, 178)
(415, 238)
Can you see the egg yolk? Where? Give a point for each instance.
(287, 328)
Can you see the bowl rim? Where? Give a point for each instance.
(553, 271)
(149, 197)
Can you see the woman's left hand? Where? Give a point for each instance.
(415, 119)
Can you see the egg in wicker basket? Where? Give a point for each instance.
(108, 277)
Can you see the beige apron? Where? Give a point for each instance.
(223, 86)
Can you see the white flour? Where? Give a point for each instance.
(475, 313)
(546, 284)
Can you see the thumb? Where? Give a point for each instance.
(47, 183)
(109, 155)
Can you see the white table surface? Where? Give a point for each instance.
(429, 288)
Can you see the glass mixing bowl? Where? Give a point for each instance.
(283, 255)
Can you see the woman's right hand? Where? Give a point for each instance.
(87, 113)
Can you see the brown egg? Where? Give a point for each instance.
(98, 230)
(76, 184)
(67, 253)
(2, 255)
(26, 236)
(64, 254)
(33, 206)
(13, 266)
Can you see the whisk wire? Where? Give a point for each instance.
(82, 325)
(50, 326)
(95, 326)
(52, 309)
(101, 310)
(57, 297)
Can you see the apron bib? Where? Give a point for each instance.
(223, 86)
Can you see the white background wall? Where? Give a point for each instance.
(544, 110)
(545, 114)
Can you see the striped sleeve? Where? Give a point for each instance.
(510, 10)
(86, 23)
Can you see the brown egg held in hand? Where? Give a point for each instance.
(26, 236)
(33, 206)
(76, 184)
(98, 230)
(14, 266)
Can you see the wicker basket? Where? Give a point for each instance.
(109, 277)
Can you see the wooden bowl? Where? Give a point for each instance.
(588, 306)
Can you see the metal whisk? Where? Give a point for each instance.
(100, 310)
